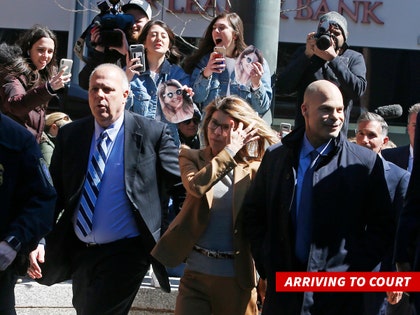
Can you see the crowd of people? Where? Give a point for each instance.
(176, 167)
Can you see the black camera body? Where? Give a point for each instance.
(109, 23)
(324, 35)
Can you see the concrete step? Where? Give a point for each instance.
(35, 299)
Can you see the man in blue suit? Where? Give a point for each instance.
(403, 155)
(372, 133)
(107, 263)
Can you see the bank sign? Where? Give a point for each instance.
(384, 24)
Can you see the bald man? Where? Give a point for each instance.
(318, 203)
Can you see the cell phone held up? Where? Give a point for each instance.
(285, 129)
(137, 51)
(221, 51)
(66, 62)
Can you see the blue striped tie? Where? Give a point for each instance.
(92, 185)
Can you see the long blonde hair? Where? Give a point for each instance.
(240, 111)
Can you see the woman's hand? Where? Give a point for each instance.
(59, 80)
(132, 66)
(188, 90)
(238, 137)
(216, 64)
(256, 74)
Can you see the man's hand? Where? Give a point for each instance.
(7, 255)
(37, 255)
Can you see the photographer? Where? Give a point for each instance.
(326, 56)
(130, 24)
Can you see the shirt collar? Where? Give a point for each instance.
(112, 130)
(307, 147)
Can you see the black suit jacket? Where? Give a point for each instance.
(150, 165)
(399, 155)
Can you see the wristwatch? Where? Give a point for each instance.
(13, 242)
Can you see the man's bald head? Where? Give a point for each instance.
(323, 110)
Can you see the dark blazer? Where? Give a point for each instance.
(150, 164)
(407, 243)
(399, 155)
(397, 181)
(349, 194)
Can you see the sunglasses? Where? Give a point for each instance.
(188, 121)
(65, 118)
(171, 94)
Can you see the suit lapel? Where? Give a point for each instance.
(133, 139)
(241, 180)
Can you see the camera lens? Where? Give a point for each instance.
(323, 42)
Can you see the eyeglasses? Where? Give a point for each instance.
(66, 118)
(188, 121)
(214, 124)
(171, 94)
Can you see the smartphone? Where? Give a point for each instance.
(137, 51)
(220, 50)
(285, 129)
(66, 62)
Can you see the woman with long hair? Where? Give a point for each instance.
(176, 105)
(208, 232)
(213, 75)
(29, 78)
(162, 58)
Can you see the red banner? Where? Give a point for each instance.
(347, 281)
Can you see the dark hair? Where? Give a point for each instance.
(239, 71)
(162, 88)
(29, 38)
(174, 56)
(13, 64)
(207, 44)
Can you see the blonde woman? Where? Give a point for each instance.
(53, 122)
(219, 276)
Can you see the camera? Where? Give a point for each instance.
(324, 35)
(110, 19)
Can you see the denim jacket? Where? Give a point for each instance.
(144, 99)
(206, 90)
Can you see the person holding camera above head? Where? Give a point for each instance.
(326, 56)
(136, 14)
(161, 64)
(29, 78)
(213, 72)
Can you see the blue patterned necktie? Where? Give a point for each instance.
(304, 216)
(92, 185)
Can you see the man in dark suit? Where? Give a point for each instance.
(372, 133)
(407, 244)
(108, 257)
(403, 155)
(325, 212)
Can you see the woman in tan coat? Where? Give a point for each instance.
(208, 233)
